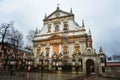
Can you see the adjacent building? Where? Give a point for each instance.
(112, 69)
(15, 58)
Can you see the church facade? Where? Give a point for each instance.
(62, 45)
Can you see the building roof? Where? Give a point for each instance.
(113, 64)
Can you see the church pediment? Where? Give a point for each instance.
(57, 14)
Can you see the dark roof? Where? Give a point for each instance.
(19, 49)
(113, 64)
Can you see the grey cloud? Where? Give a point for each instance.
(101, 16)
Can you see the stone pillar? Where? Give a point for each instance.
(51, 51)
(84, 65)
(73, 66)
(35, 52)
(71, 49)
(50, 63)
(52, 28)
(96, 65)
(60, 48)
(50, 57)
(44, 50)
(59, 65)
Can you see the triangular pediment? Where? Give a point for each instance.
(57, 14)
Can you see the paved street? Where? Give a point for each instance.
(92, 77)
(37, 76)
(50, 76)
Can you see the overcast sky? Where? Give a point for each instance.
(101, 16)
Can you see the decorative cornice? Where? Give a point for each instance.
(69, 31)
(59, 38)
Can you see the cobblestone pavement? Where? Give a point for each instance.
(50, 76)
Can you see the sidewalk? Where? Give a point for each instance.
(92, 77)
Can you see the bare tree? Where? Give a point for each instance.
(4, 32)
(30, 35)
(15, 38)
(20, 41)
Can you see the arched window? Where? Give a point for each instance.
(57, 28)
(65, 27)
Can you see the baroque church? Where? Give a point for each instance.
(62, 44)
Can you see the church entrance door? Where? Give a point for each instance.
(90, 66)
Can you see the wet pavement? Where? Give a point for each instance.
(51, 76)
(38, 76)
(92, 77)
(95, 77)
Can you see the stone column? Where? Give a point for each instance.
(73, 68)
(52, 28)
(50, 63)
(84, 65)
(60, 48)
(71, 49)
(35, 52)
(44, 50)
(50, 57)
(51, 51)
